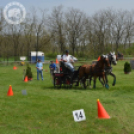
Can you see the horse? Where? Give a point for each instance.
(95, 70)
(108, 70)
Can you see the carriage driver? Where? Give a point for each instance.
(67, 61)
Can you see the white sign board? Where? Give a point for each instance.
(79, 115)
(23, 58)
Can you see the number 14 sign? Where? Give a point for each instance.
(79, 115)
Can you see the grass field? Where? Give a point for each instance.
(45, 110)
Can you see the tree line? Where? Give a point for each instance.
(82, 34)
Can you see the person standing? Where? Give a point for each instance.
(52, 67)
(39, 67)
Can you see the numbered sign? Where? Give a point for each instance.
(79, 115)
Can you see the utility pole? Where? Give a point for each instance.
(37, 45)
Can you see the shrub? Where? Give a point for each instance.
(127, 67)
(29, 73)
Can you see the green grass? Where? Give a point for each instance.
(45, 110)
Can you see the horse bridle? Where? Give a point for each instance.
(105, 60)
(97, 67)
(110, 57)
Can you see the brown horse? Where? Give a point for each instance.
(95, 70)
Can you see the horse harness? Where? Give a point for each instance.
(95, 70)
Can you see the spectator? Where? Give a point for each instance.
(52, 67)
(39, 67)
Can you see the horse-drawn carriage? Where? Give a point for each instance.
(101, 69)
(65, 77)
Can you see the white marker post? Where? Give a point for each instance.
(79, 115)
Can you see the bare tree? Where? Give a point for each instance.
(91, 37)
(29, 34)
(110, 17)
(100, 27)
(38, 24)
(75, 21)
(2, 26)
(56, 27)
(16, 32)
(129, 29)
(6, 46)
(84, 35)
(119, 27)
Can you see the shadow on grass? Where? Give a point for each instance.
(72, 88)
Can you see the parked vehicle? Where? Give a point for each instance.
(39, 54)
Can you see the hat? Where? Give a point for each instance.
(66, 51)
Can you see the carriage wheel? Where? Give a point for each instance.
(57, 82)
(67, 83)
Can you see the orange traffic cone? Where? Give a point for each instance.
(26, 79)
(57, 62)
(101, 111)
(14, 68)
(10, 92)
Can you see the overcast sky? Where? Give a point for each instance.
(88, 6)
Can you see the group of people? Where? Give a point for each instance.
(67, 60)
